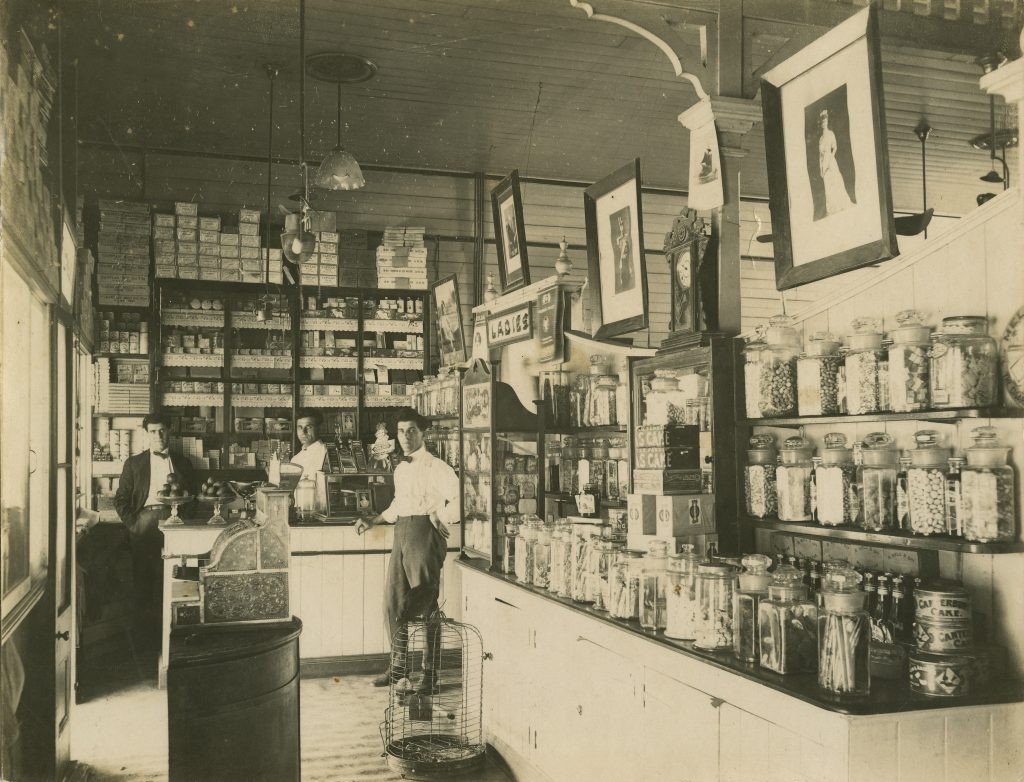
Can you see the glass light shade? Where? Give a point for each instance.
(339, 171)
(297, 246)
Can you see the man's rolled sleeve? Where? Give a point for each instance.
(449, 483)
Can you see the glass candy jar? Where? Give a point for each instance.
(582, 541)
(509, 547)
(908, 363)
(715, 586)
(926, 484)
(601, 395)
(664, 388)
(524, 549)
(962, 371)
(625, 591)
(542, 558)
(817, 376)
(844, 635)
(561, 560)
(876, 479)
(751, 588)
(759, 477)
(987, 490)
(793, 479)
(602, 557)
(653, 585)
(778, 369)
(787, 624)
(864, 363)
(752, 354)
(681, 598)
(834, 483)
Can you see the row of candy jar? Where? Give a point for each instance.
(625, 590)
(778, 369)
(988, 513)
(963, 366)
(714, 626)
(787, 624)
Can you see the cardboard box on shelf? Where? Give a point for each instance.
(163, 220)
(209, 224)
(249, 216)
(249, 229)
(162, 232)
(249, 239)
(188, 208)
(187, 222)
(229, 237)
(229, 251)
(249, 252)
(186, 234)
(205, 248)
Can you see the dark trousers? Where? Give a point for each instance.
(147, 543)
(413, 586)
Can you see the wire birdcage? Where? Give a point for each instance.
(433, 722)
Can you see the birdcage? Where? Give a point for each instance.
(433, 722)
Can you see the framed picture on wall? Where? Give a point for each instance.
(828, 163)
(615, 251)
(510, 233)
(444, 294)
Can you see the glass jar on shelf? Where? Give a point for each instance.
(714, 624)
(793, 479)
(681, 597)
(835, 484)
(817, 376)
(926, 484)
(751, 588)
(664, 390)
(864, 364)
(542, 557)
(908, 363)
(963, 366)
(759, 477)
(582, 542)
(752, 354)
(987, 490)
(561, 560)
(625, 590)
(876, 482)
(602, 558)
(524, 549)
(510, 545)
(787, 624)
(653, 587)
(844, 635)
(778, 369)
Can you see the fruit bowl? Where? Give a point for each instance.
(215, 493)
(174, 519)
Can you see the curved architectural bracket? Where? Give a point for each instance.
(677, 66)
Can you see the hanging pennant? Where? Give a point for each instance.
(549, 325)
(705, 161)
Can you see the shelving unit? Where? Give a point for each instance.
(950, 416)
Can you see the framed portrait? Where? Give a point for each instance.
(615, 251)
(510, 233)
(828, 163)
(444, 294)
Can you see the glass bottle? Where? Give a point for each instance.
(834, 482)
(926, 484)
(817, 375)
(752, 353)
(876, 482)
(954, 496)
(778, 369)
(681, 598)
(556, 575)
(653, 586)
(908, 363)
(793, 477)
(759, 477)
(844, 635)
(714, 626)
(864, 364)
(305, 497)
(787, 625)
(601, 393)
(625, 593)
(881, 628)
(751, 588)
(987, 480)
(962, 371)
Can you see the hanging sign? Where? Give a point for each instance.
(549, 325)
(511, 326)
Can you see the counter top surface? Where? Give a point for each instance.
(887, 695)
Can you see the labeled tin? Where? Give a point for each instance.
(943, 637)
(945, 676)
(942, 605)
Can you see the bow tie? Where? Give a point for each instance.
(405, 459)
(161, 454)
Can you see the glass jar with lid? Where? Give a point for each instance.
(563, 551)
(681, 598)
(778, 369)
(844, 635)
(787, 624)
(556, 574)
(602, 557)
(987, 490)
(625, 591)
(664, 388)
(542, 557)
(579, 400)
(909, 363)
(752, 353)
(817, 375)
(582, 542)
(751, 588)
(715, 585)
(962, 370)
(601, 395)
(926, 484)
(834, 480)
(510, 544)
(759, 477)
(876, 479)
(793, 479)
(528, 531)
(653, 586)
(864, 364)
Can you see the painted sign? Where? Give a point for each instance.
(510, 326)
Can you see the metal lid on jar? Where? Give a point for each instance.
(822, 343)
(878, 450)
(964, 324)
(762, 449)
(755, 340)
(911, 329)
(787, 583)
(835, 450)
(795, 449)
(867, 335)
(755, 577)
(781, 333)
(985, 452)
(841, 591)
(928, 452)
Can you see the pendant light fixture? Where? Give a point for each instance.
(297, 241)
(339, 170)
(1001, 139)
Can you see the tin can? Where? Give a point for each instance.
(943, 605)
(943, 637)
(946, 676)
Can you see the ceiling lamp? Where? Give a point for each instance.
(339, 170)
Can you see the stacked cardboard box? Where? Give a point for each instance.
(321, 268)
(402, 259)
(356, 263)
(122, 262)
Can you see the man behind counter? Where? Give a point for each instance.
(138, 505)
(313, 453)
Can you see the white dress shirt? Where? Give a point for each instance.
(311, 458)
(159, 469)
(425, 486)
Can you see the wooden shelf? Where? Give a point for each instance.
(393, 362)
(925, 415)
(277, 323)
(192, 360)
(387, 401)
(261, 362)
(587, 430)
(329, 362)
(261, 400)
(564, 497)
(307, 323)
(892, 539)
(449, 417)
(176, 399)
(136, 356)
(386, 326)
(213, 318)
(328, 401)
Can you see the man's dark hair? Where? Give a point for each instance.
(311, 412)
(409, 415)
(156, 418)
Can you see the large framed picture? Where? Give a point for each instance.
(510, 233)
(615, 251)
(444, 294)
(828, 163)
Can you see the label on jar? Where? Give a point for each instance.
(586, 505)
(954, 516)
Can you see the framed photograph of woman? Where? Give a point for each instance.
(510, 233)
(615, 251)
(828, 163)
(444, 295)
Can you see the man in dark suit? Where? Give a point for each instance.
(139, 508)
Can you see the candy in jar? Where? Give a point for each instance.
(752, 587)
(582, 541)
(876, 478)
(817, 376)
(787, 624)
(715, 584)
(962, 371)
(987, 490)
(834, 483)
(653, 587)
(602, 557)
(778, 369)
(909, 363)
(793, 480)
(752, 352)
(625, 589)
(524, 549)
(759, 477)
(926, 484)
(844, 635)
(681, 598)
(864, 364)
(542, 558)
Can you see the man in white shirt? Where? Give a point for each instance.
(314, 453)
(426, 501)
